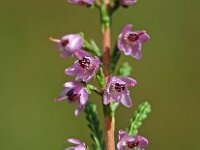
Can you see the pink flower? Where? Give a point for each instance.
(74, 92)
(127, 142)
(84, 68)
(130, 42)
(117, 90)
(79, 145)
(68, 44)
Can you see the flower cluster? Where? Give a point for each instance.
(114, 88)
(84, 68)
(87, 66)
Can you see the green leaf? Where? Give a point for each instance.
(125, 69)
(100, 77)
(94, 126)
(91, 88)
(90, 46)
(139, 115)
(114, 58)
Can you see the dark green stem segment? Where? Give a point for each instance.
(114, 7)
(115, 56)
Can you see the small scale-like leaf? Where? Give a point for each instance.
(93, 124)
(125, 69)
(139, 115)
(90, 46)
(114, 58)
(100, 77)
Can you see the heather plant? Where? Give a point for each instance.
(100, 64)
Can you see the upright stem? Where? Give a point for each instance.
(106, 51)
(109, 114)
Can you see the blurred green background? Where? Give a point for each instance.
(32, 74)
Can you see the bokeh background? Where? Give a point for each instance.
(32, 74)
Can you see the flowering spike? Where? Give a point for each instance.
(113, 89)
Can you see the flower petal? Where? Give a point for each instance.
(70, 70)
(122, 134)
(72, 84)
(144, 37)
(69, 148)
(127, 28)
(76, 42)
(143, 142)
(78, 110)
(136, 50)
(106, 98)
(80, 147)
(62, 95)
(84, 96)
(129, 81)
(74, 141)
(126, 100)
(81, 54)
(127, 2)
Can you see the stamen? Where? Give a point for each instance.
(51, 39)
(120, 87)
(64, 42)
(84, 63)
(133, 37)
(131, 144)
(71, 96)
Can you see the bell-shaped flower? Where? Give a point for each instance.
(117, 90)
(74, 92)
(127, 142)
(84, 68)
(79, 145)
(68, 44)
(130, 42)
(126, 3)
(82, 2)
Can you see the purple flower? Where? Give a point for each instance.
(82, 2)
(79, 145)
(130, 42)
(74, 92)
(84, 68)
(127, 142)
(117, 90)
(126, 3)
(68, 44)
